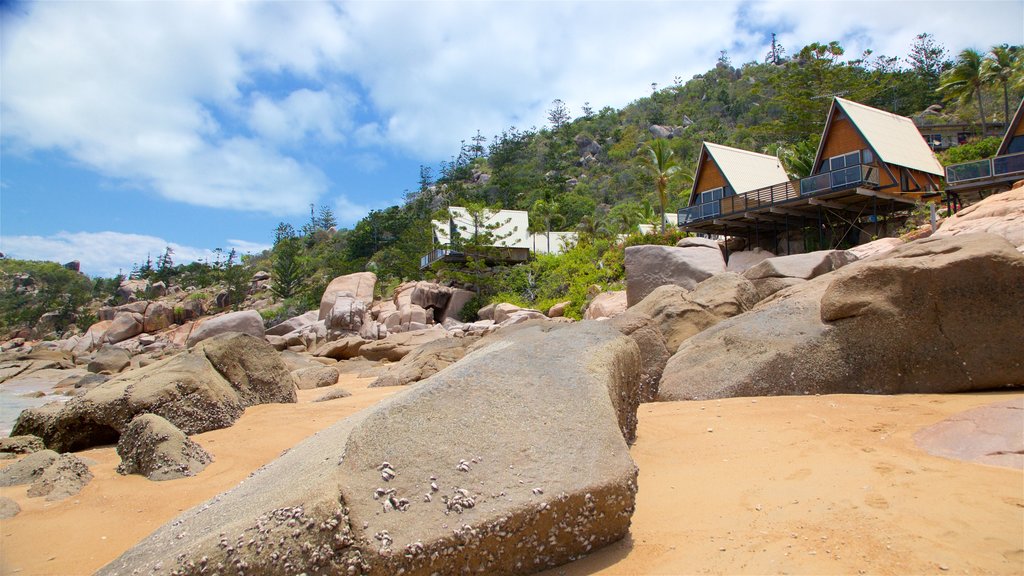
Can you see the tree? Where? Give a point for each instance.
(964, 82)
(547, 212)
(592, 227)
(927, 58)
(999, 67)
(165, 265)
(283, 231)
(659, 160)
(287, 270)
(558, 115)
(776, 54)
(325, 219)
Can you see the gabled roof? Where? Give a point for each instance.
(742, 169)
(513, 226)
(1008, 137)
(894, 139)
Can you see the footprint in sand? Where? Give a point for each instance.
(876, 501)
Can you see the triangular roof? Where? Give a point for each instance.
(742, 169)
(893, 138)
(1011, 129)
(513, 226)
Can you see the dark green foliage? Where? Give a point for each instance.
(29, 289)
(973, 150)
(287, 271)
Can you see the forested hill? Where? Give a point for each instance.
(586, 161)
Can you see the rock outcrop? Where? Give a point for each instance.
(650, 266)
(606, 305)
(359, 286)
(8, 508)
(668, 316)
(315, 377)
(781, 272)
(494, 465)
(424, 361)
(155, 448)
(110, 360)
(49, 474)
(246, 322)
(932, 316)
(205, 388)
(999, 214)
(21, 444)
(396, 346)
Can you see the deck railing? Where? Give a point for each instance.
(434, 256)
(988, 168)
(850, 177)
(843, 179)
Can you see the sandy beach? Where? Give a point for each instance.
(781, 485)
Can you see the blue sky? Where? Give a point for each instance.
(129, 126)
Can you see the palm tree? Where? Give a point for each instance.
(1000, 66)
(591, 228)
(964, 82)
(659, 159)
(548, 214)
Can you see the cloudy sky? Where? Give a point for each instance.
(130, 126)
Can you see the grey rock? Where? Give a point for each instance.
(110, 359)
(246, 322)
(649, 266)
(935, 315)
(8, 508)
(22, 444)
(205, 388)
(522, 454)
(315, 377)
(153, 447)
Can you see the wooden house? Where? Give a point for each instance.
(869, 164)
(723, 173)
(973, 180)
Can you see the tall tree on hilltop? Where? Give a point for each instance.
(928, 58)
(964, 82)
(558, 115)
(659, 159)
(999, 67)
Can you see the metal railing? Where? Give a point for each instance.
(988, 168)
(434, 256)
(845, 178)
(760, 197)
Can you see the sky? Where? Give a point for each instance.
(127, 127)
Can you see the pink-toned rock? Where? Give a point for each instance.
(990, 435)
(558, 310)
(999, 214)
(157, 317)
(456, 302)
(247, 322)
(412, 313)
(123, 326)
(359, 285)
(403, 294)
(92, 339)
(875, 248)
(293, 323)
(606, 305)
(503, 310)
(740, 262)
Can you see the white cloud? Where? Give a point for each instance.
(239, 105)
(107, 253)
(148, 92)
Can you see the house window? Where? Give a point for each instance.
(866, 156)
(842, 161)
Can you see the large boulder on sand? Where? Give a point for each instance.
(155, 448)
(933, 316)
(359, 285)
(315, 377)
(205, 388)
(49, 474)
(650, 266)
(246, 322)
(494, 466)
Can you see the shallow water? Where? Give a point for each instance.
(16, 395)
